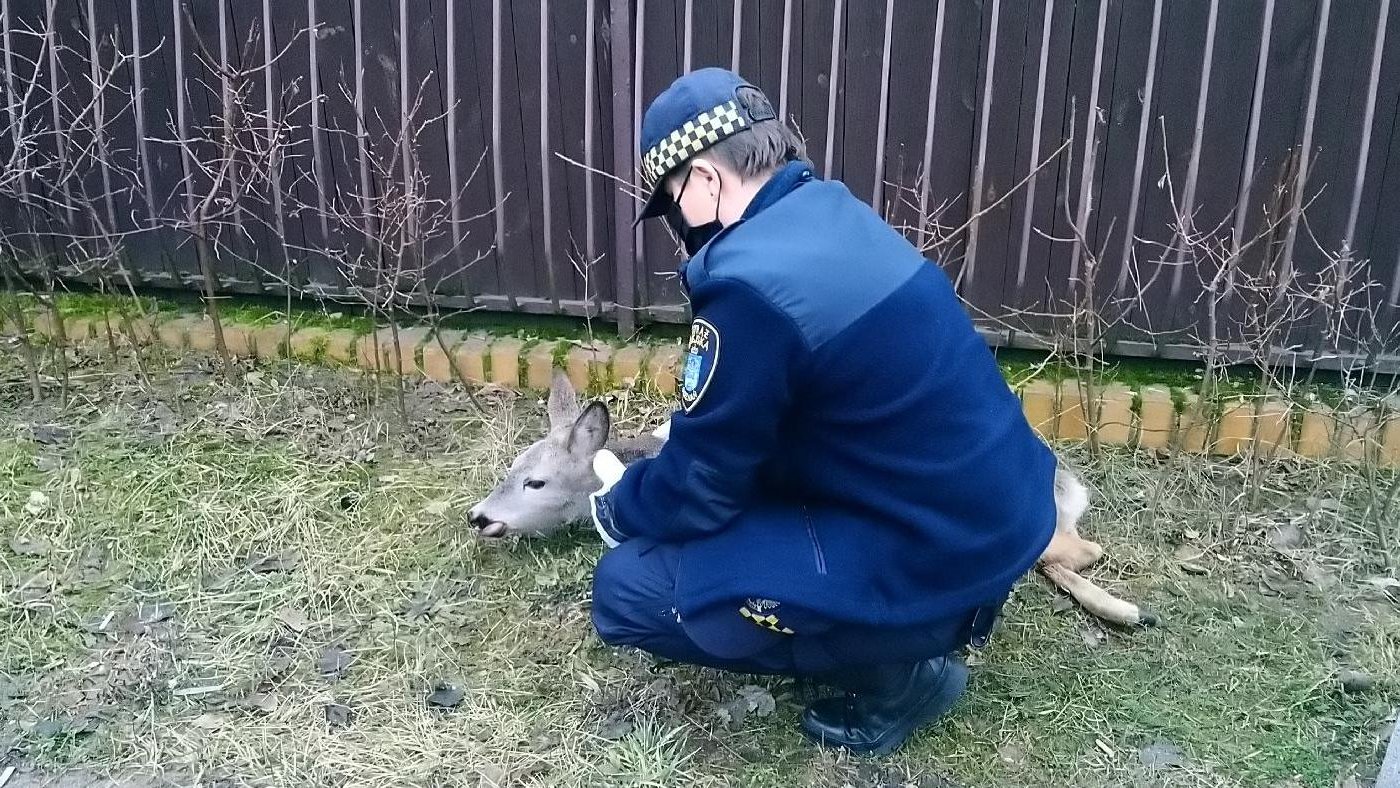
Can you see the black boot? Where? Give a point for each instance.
(885, 704)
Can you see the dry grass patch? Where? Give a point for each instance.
(271, 584)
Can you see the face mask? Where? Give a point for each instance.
(692, 238)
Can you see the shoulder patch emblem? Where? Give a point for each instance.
(702, 354)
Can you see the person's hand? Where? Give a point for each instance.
(609, 469)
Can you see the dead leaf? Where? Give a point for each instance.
(1161, 754)
(1092, 637)
(1286, 537)
(280, 660)
(760, 700)
(37, 503)
(100, 624)
(616, 726)
(1188, 552)
(85, 723)
(1355, 681)
(49, 434)
(208, 721)
(1318, 576)
(95, 557)
(338, 715)
(1011, 754)
(333, 662)
(265, 564)
(1192, 534)
(1316, 504)
(752, 699)
(491, 776)
(197, 689)
(1188, 557)
(437, 508)
(1386, 585)
(29, 545)
(420, 607)
(47, 729)
(294, 619)
(446, 696)
(260, 701)
(1061, 603)
(148, 614)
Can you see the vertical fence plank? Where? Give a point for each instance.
(1089, 156)
(272, 99)
(899, 159)
(737, 39)
(1367, 121)
(546, 159)
(787, 59)
(930, 125)
(883, 120)
(623, 250)
(992, 291)
(460, 255)
(1188, 199)
(687, 60)
(979, 167)
(1305, 149)
(833, 80)
(1256, 111)
(139, 108)
(55, 106)
(1037, 127)
(361, 130)
(313, 85)
(590, 93)
(497, 145)
(859, 94)
(99, 107)
(182, 121)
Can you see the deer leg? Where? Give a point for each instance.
(1097, 601)
(1071, 551)
(1068, 553)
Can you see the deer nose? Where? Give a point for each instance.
(479, 521)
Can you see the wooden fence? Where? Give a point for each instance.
(936, 111)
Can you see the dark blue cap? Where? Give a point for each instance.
(696, 111)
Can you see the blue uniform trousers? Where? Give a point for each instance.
(634, 605)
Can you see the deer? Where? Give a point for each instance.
(547, 486)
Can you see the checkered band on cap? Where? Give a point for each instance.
(688, 140)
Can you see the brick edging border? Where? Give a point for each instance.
(1150, 418)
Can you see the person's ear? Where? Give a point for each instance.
(708, 175)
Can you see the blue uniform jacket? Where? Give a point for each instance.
(847, 445)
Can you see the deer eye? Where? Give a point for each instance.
(534, 484)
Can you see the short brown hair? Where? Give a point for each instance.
(759, 150)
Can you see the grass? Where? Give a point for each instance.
(307, 313)
(286, 520)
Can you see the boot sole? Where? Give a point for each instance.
(937, 704)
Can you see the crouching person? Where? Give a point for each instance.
(849, 489)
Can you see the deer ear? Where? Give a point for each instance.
(563, 402)
(591, 429)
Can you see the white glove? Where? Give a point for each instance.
(609, 469)
(663, 432)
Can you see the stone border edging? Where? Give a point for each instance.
(1150, 418)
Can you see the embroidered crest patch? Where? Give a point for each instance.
(702, 354)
